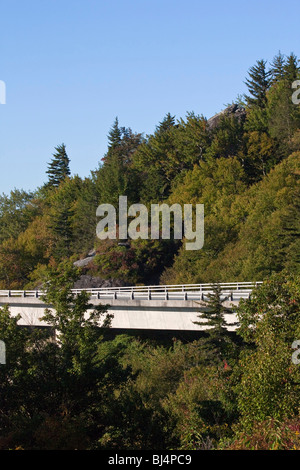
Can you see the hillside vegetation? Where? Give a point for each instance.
(88, 390)
(243, 165)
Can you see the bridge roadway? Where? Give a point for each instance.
(173, 307)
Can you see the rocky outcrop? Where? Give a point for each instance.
(81, 263)
(90, 282)
(87, 281)
(235, 110)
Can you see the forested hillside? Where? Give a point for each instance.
(242, 164)
(85, 388)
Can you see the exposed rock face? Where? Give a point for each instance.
(89, 282)
(81, 263)
(234, 110)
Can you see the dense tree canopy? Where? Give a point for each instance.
(224, 163)
(71, 386)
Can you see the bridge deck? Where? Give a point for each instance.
(234, 291)
(141, 307)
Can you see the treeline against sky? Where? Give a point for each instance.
(243, 167)
(77, 385)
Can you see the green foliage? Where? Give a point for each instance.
(258, 84)
(214, 318)
(248, 234)
(235, 168)
(58, 168)
(269, 379)
(291, 68)
(270, 434)
(70, 308)
(202, 408)
(78, 390)
(283, 116)
(117, 176)
(144, 417)
(16, 212)
(171, 150)
(55, 389)
(217, 185)
(227, 139)
(20, 256)
(135, 262)
(84, 220)
(61, 211)
(278, 67)
(69, 386)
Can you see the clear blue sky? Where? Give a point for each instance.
(72, 66)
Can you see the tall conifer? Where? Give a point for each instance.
(291, 69)
(258, 84)
(58, 168)
(278, 67)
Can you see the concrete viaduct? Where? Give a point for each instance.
(173, 307)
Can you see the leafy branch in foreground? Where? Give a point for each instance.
(78, 324)
(70, 311)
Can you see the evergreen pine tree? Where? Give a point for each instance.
(63, 202)
(291, 69)
(116, 177)
(277, 68)
(165, 124)
(58, 168)
(61, 227)
(115, 134)
(214, 318)
(258, 84)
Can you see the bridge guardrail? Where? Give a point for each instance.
(233, 290)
